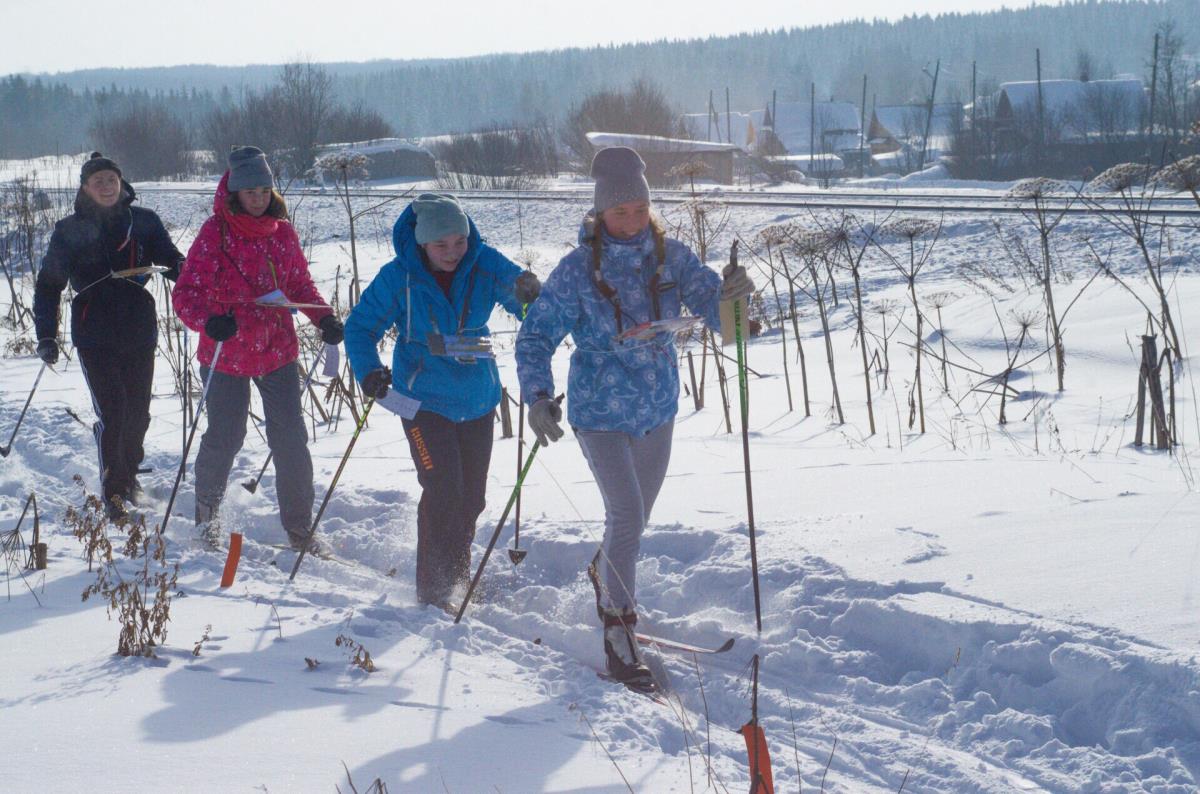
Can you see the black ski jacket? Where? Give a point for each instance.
(85, 249)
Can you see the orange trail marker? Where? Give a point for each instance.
(231, 560)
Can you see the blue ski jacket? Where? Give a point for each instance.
(629, 386)
(404, 295)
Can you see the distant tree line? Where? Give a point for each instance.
(546, 88)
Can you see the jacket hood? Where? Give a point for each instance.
(222, 195)
(587, 230)
(85, 206)
(408, 251)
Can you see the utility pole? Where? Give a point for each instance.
(862, 131)
(974, 104)
(812, 126)
(728, 123)
(710, 116)
(929, 115)
(1153, 87)
(1041, 109)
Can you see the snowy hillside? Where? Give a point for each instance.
(984, 607)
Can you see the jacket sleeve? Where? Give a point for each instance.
(162, 249)
(380, 307)
(547, 322)
(198, 278)
(52, 279)
(298, 284)
(700, 288)
(505, 272)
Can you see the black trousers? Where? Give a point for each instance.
(120, 381)
(452, 460)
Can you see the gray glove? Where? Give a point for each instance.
(544, 418)
(737, 284)
(527, 287)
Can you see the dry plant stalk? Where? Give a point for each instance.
(1040, 192)
(910, 230)
(813, 248)
(360, 657)
(141, 597)
(1132, 184)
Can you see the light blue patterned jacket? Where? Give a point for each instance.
(628, 386)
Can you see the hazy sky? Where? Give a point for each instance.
(62, 35)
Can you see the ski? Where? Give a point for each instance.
(681, 647)
(653, 694)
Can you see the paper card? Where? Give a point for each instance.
(134, 272)
(333, 361)
(729, 327)
(406, 407)
(275, 297)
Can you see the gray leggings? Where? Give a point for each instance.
(228, 407)
(629, 471)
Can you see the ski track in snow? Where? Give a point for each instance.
(915, 679)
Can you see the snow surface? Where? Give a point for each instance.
(981, 608)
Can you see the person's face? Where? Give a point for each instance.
(446, 252)
(627, 220)
(255, 200)
(104, 188)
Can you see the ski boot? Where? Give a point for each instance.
(114, 508)
(208, 526)
(137, 496)
(316, 547)
(624, 660)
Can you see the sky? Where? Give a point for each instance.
(65, 35)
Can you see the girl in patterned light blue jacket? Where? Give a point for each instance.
(622, 395)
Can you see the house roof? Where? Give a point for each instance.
(1060, 96)
(836, 126)
(655, 143)
(374, 146)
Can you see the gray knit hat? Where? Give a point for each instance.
(620, 175)
(248, 169)
(438, 215)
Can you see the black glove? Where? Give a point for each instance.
(544, 418)
(527, 287)
(377, 382)
(332, 330)
(47, 350)
(220, 327)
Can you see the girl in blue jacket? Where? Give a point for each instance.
(438, 294)
(622, 396)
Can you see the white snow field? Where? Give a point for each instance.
(979, 608)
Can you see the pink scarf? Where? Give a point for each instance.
(243, 225)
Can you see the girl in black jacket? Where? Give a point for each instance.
(99, 250)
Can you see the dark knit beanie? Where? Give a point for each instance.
(620, 175)
(248, 169)
(95, 164)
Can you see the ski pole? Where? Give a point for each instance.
(336, 475)
(252, 485)
(744, 397)
(516, 553)
(212, 370)
(4, 450)
(500, 525)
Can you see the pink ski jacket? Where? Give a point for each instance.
(234, 261)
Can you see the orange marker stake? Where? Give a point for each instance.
(231, 560)
(760, 764)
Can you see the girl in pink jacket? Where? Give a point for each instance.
(244, 253)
